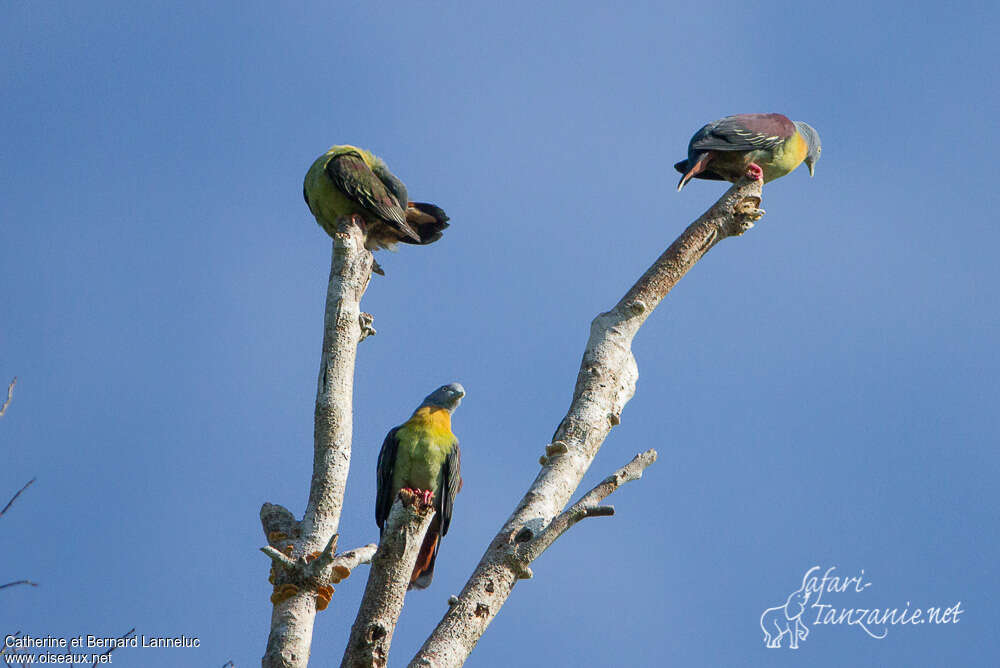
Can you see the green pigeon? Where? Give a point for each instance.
(347, 180)
(758, 146)
(422, 456)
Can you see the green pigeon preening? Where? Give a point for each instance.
(758, 146)
(347, 180)
(422, 456)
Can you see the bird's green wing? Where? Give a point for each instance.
(351, 174)
(392, 184)
(384, 495)
(745, 132)
(451, 484)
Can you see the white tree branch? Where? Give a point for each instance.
(529, 547)
(10, 395)
(339, 566)
(302, 575)
(606, 381)
(351, 559)
(388, 579)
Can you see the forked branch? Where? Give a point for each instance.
(302, 553)
(605, 383)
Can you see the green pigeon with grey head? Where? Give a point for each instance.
(350, 181)
(422, 456)
(756, 146)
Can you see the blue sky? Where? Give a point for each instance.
(822, 391)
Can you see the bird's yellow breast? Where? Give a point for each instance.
(785, 157)
(424, 443)
(432, 420)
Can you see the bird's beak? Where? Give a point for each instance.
(812, 169)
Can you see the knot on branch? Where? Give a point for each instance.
(740, 208)
(518, 557)
(636, 307)
(746, 212)
(375, 632)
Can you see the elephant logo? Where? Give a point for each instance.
(777, 621)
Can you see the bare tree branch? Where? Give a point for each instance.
(4, 648)
(127, 634)
(351, 559)
(312, 567)
(529, 547)
(388, 579)
(301, 591)
(19, 582)
(14, 498)
(605, 383)
(10, 395)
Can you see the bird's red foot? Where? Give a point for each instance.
(415, 496)
(754, 172)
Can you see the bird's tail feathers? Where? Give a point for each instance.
(692, 171)
(428, 220)
(423, 570)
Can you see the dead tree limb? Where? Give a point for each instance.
(529, 547)
(388, 579)
(606, 381)
(10, 395)
(301, 587)
(14, 498)
(128, 634)
(19, 582)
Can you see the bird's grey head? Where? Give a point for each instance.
(814, 148)
(446, 396)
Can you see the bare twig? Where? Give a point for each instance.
(336, 567)
(605, 383)
(529, 548)
(4, 648)
(353, 558)
(10, 395)
(300, 591)
(388, 578)
(14, 498)
(127, 634)
(19, 582)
